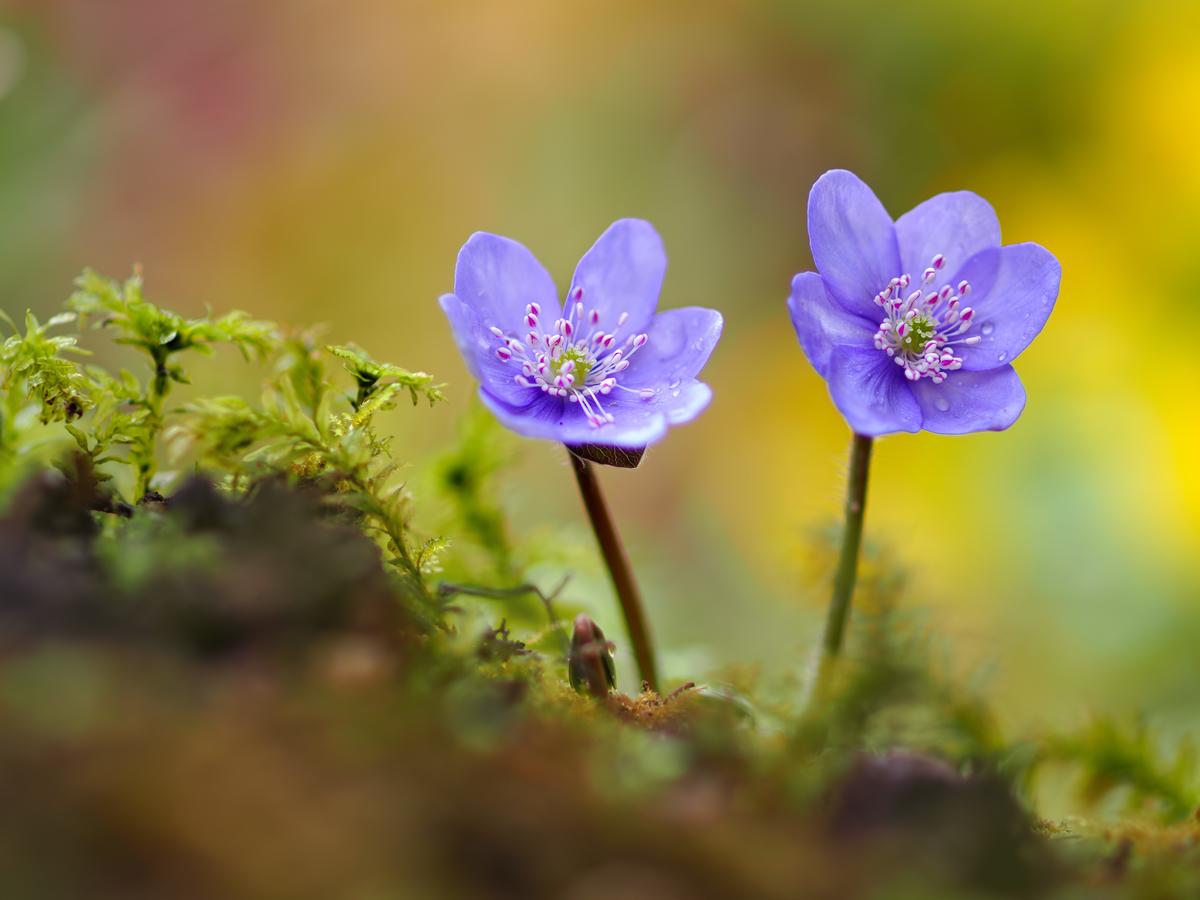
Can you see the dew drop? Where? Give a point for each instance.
(1002, 357)
(987, 328)
(675, 394)
(674, 384)
(942, 403)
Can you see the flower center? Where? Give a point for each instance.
(921, 327)
(581, 363)
(921, 330)
(567, 362)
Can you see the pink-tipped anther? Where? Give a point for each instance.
(934, 326)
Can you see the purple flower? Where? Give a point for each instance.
(607, 371)
(915, 324)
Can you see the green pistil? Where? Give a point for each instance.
(921, 330)
(583, 366)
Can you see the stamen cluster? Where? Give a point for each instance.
(566, 362)
(918, 329)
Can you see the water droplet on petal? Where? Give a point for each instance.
(675, 394)
(942, 403)
(674, 384)
(987, 328)
(1002, 357)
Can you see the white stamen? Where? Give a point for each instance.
(565, 362)
(910, 320)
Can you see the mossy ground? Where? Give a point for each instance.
(257, 684)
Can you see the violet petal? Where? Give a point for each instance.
(852, 239)
(1015, 308)
(540, 418)
(623, 273)
(990, 400)
(822, 324)
(477, 345)
(679, 344)
(636, 422)
(957, 225)
(870, 391)
(497, 277)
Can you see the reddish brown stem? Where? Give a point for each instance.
(618, 568)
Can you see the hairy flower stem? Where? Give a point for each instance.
(843, 582)
(618, 568)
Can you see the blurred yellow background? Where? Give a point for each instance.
(313, 160)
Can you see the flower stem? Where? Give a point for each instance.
(847, 572)
(618, 568)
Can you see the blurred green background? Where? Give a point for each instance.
(311, 160)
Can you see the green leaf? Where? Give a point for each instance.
(80, 437)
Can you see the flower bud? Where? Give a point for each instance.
(590, 665)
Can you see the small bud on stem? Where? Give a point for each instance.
(590, 665)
